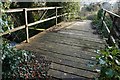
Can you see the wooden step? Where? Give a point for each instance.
(54, 37)
(74, 71)
(72, 51)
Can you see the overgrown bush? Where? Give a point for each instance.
(97, 22)
(97, 19)
(18, 64)
(21, 64)
(72, 8)
(109, 62)
(6, 23)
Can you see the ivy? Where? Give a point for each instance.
(5, 19)
(72, 8)
(21, 64)
(18, 64)
(109, 62)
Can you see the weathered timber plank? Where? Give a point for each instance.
(81, 37)
(78, 72)
(65, 76)
(65, 57)
(54, 37)
(82, 34)
(75, 37)
(63, 49)
(69, 63)
(82, 25)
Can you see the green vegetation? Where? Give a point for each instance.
(89, 11)
(72, 8)
(109, 62)
(97, 22)
(19, 64)
(6, 23)
(18, 18)
(109, 58)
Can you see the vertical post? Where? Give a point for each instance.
(103, 17)
(26, 25)
(56, 15)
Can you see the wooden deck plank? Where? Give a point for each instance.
(70, 49)
(82, 34)
(84, 25)
(74, 71)
(70, 41)
(64, 76)
(65, 57)
(66, 62)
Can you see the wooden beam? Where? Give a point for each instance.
(36, 29)
(31, 24)
(26, 22)
(12, 30)
(37, 22)
(13, 10)
(111, 13)
(26, 26)
(56, 15)
(43, 8)
(110, 34)
(40, 21)
(30, 9)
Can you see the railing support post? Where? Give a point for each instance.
(56, 15)
(103, 17)
(26, 25)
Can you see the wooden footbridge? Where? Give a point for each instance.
(69, 45)
(70, 49)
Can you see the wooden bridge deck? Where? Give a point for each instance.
(70, 50)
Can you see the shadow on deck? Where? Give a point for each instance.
(70, 49)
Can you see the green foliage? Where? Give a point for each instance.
(109, 62)
(5, 19)
(97, 18)
(21, 64)
(72, 8)
(98, 23)
(99, 14)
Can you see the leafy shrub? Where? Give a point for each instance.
(97, 19)
(21, 64)
(6, 23)
(109, 62)
(97, 22)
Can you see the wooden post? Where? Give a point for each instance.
(103, 17)
(56, 15)
(26, 25)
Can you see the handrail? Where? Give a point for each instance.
(12, 30)
(30, 9)
(40, 21)
(110, 31)
(25, 10)
(111, 12)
